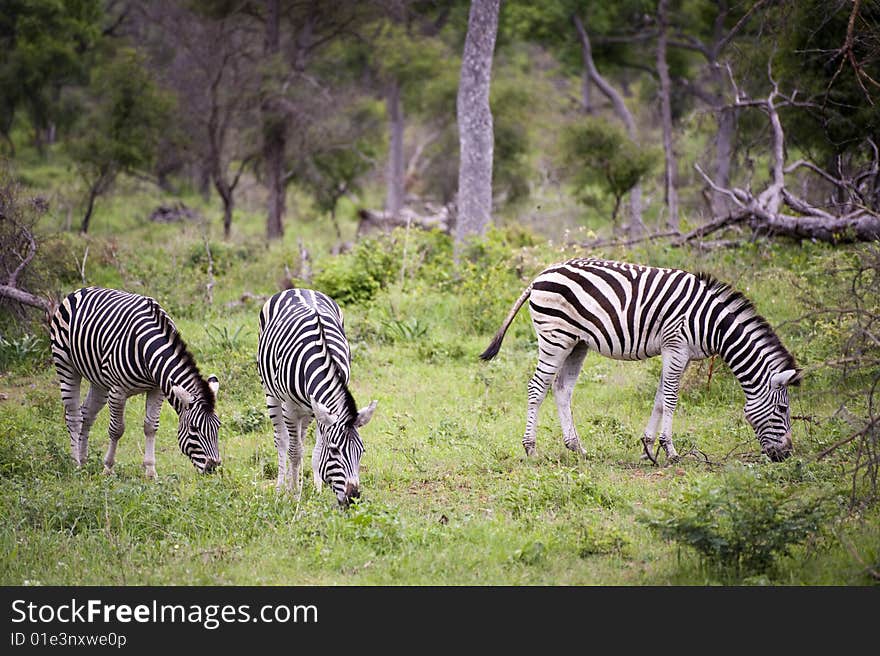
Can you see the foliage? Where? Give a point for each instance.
(596, 152)
(843, 83)
(843, 294)
(223, 338)
(740, 524)
(23, 354)
(357, 276)
(43, 44)
(122, 129)
(346, 153)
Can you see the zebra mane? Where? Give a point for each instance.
(738, 302)
(179, 346)
(348, 399)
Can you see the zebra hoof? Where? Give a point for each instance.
(576, 447)
(530, 449)
(647, 455)
(108, 471)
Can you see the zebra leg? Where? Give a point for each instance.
(675, 361)
(282, 438)
(117, 427)
(151, 425)
(316, 458)
(551, 355)
(563, 387)
(70, 391)
(95, 400)
(651, 428)
(295, 452)
(292, 422)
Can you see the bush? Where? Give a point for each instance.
(741, 525)
(25, 354)
(357, 276)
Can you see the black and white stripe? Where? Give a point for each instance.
(125, 344)
(304, 362)
(630, 312)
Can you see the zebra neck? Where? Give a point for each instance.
(749, 347)
(331, 391)
(172, 365)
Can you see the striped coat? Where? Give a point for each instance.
(126, 344)
(305, 362)
(631, 312)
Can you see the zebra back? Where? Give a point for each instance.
(126, 341)
(303, 352)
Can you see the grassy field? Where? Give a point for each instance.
(448, 494)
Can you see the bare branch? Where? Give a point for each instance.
(26, 298)
(738, 196)
(26, 234)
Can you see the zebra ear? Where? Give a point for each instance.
(214, 384)
(183, 395)
(364, 416)
(784, 378)
(323, 414)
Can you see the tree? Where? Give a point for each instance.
(708, 27)
(345, 152)
(120, 131)
(475, 122)
(597, 152)
(636, 225)
(765, 211)
(670, 192)
(406, 58)
(17, 219)
(206, 60)
(44, 44)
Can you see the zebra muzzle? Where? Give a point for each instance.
(781, 451)
(211, 464)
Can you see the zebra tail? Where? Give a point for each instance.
(495, 345)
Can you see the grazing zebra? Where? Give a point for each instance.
(630, 312)
(304, 362)
(125, 344)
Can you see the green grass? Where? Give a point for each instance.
(448, 495)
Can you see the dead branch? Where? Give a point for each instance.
(11, 289)
(764, 212)
(26, 298)
(601, 243)
(372, 220)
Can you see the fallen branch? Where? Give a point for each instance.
(26, 298)
(372, 220)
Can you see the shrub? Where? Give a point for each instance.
(25, 354)
(739, 523)
(357, 276)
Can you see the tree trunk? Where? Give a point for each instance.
(274, 133)
(586, 92)
(228, 200)
(724, 144)
(637, 226)
(395, 191)
(670, 192)
(475, 130)
(90, 207)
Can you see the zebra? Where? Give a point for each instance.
(632, 312)
(125, 344)
(304, 361)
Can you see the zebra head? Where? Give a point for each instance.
(198, 426)
(336, 459)
(767, 410)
